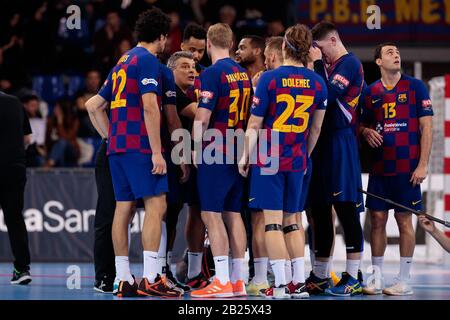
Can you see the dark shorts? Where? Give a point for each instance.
(395, 188)
(220, 187)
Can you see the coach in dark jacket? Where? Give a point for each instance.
(15, 132)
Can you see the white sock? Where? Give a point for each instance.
(129, 237)
(320, 269)
(151, 265)
(312, 257)
(378, 262)
(288, 270)
(278, 267)
(162, 249)
(194, 264)
(352, 268)
(405, 268)
(169, 258)
(222, 269)
(330, 267)
(123, 269)
(237, 269)
(298, 266)
(260, 265)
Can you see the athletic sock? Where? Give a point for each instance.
(151, 265)
(123, 269)
(352, 268)
(320, 269)
(162, 250)
(237, 269)
(288, 270)
(194, 264)
(278, 267)
(298, 266)
(260, 265)
(378, 262)
(222, 269)
(405, 268)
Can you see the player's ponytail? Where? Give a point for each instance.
(298, 41)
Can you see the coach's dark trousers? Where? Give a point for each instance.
(12, 188)
(104, 259)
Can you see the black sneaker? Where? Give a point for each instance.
(160, 288)
(197, 282)
(104, 285)
(183, 288)
(127, 290)
(21, 277)
(316, 285)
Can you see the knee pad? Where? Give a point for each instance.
(292, 227)
(273, 227)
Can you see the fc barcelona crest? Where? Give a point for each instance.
(402, 97)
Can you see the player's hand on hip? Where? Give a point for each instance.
(185, 171)
(373, 138)
(427, 224)
(159, 164)
(418, 175)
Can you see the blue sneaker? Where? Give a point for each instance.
(316, 285)
(348, 286)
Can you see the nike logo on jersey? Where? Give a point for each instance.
(375, 101)
(335, 194)
(251, 199)
(359, 205)
(416, 202)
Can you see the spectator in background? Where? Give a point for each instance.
(12, 73)
(108, 38)
(92, 85)
(124, 46)
(275, 28)
(36, 152)
(61, 139)
(175, 34)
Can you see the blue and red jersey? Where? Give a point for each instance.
(136, 73)
(394, 113)
(287, 98)
(225, 91)
(345, 83)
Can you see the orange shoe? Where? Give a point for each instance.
(239, 288)
(214, 290)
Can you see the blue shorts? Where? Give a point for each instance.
(337, 171)
(280, 191)
(305, 187)
(132, 177)
(395, 188)
(220, 187)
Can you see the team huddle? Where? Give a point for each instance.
(298, 126)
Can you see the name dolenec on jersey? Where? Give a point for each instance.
(395, 114)
(287, 98)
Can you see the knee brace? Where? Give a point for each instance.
(273, 227)
(292, 227)
(349, 219)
